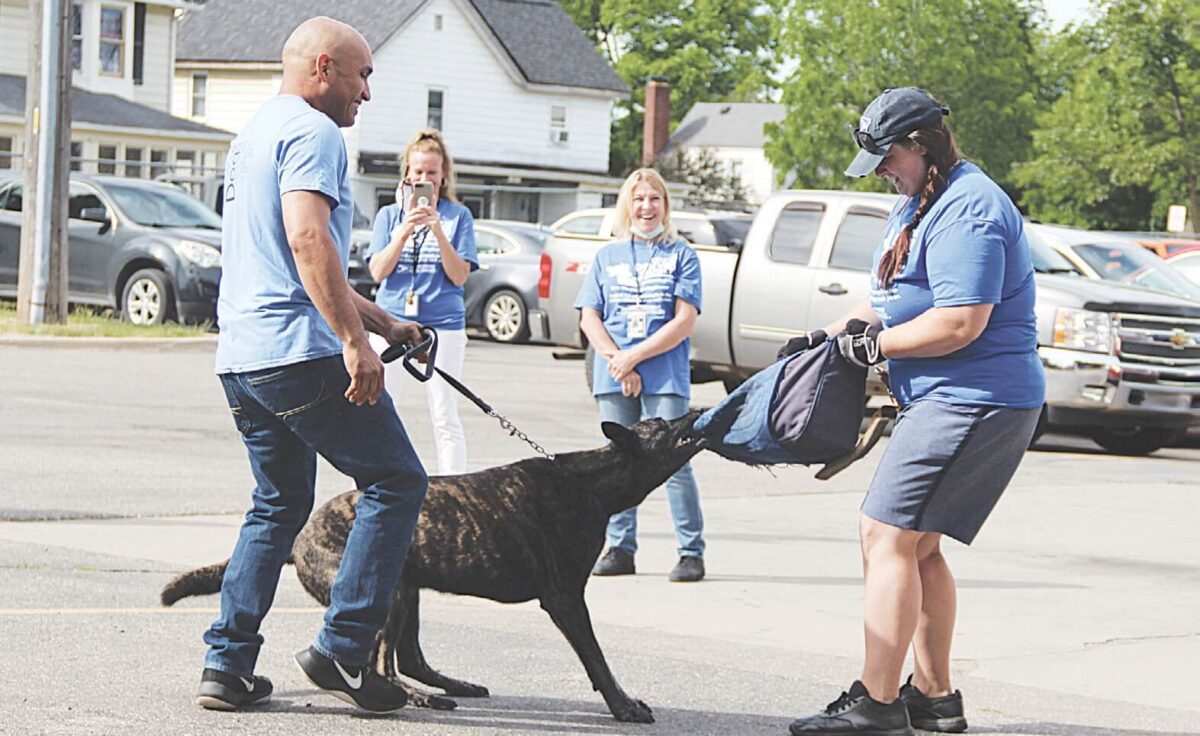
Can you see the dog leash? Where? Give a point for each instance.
(428, 347)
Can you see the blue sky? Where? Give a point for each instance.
(1062, 12)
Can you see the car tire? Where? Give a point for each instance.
(148, 298)
(1134, 440)
(505, 317)
(1040, 428)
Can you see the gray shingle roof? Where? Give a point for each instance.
(538, 35)
(91, 107)
(255, 30)
(725, 125)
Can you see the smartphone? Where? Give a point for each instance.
(422, 194)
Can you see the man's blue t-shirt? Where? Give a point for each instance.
(439, 301)
(626, 274)
(265, 316)
(970, 248)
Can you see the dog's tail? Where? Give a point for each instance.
(201, 581)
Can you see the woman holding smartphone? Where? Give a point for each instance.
(421, 253)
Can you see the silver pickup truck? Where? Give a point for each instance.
(1122, 363)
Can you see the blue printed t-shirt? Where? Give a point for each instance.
(440, 302)
(266, 317)
(661, 272)
(970, 248)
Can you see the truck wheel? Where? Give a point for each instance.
(1134, 440)
(147, 298)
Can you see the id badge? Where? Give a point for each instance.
(635, 323)
(412, 304)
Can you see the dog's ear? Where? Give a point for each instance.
(625, 439)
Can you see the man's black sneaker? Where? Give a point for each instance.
(223, 691)
(361, 687)
(614, 562)
(943, 715)
(856, 712)
(687, 570)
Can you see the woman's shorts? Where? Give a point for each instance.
(946, 466)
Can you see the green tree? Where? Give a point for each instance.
(708, 50)
(976, 56)
(1122, 141)
(711, 183)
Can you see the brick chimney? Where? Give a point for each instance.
(656, 128)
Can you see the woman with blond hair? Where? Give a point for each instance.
(638, 307)
(421, 254)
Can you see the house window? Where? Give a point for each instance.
(108, 160)
(133, 162)
(112, 41)
(6, 147)
(437, 22)
(76, 155)
(199, 95)
(558, 116)
(185, 162)
(437, 103)
(139, 41)
(77, 36)
(158, 162)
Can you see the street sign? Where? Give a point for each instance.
(1176, 218)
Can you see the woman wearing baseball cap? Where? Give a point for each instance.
(951, 312)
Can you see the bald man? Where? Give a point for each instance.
(302, 380)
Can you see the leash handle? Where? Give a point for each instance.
(408, 353)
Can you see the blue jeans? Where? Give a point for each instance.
(682, 493)
(287, 416)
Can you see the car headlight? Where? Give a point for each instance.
(1083, 329)
(201, 254)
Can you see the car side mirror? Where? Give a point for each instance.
(735, 245)
(94, 214)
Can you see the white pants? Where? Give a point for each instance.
(448, 432)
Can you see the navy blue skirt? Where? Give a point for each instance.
(947, 465)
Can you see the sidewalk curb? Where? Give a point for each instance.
(47, 341)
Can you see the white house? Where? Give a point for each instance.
(733, 132)
(523, 98)
(123, 59)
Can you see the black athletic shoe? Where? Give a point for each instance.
(943, 715)
(856, 712)
(688, 570)
(614, 562)
(223, 691)
(361, 687)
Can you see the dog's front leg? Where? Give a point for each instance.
(384, 656)
(570, 614)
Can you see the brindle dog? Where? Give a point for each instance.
(531, 529)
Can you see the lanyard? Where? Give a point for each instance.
(637, 280)
(418, 239)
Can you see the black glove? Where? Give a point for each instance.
(859, 344)
(801, 343)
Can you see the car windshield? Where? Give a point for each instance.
(731, 229)
(1047, 260)
(163, 206)
(532, 232)
(1129, 263)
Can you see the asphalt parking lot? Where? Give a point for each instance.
(120, 467)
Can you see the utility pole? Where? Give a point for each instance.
(42, 276)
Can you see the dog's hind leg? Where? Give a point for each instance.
(383, 658)
(406, 645)
(570, 614)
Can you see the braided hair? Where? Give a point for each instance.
(941, 155)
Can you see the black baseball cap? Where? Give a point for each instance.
(890, 117)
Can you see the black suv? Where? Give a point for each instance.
(145, 249)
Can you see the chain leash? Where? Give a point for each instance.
(513, 431)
